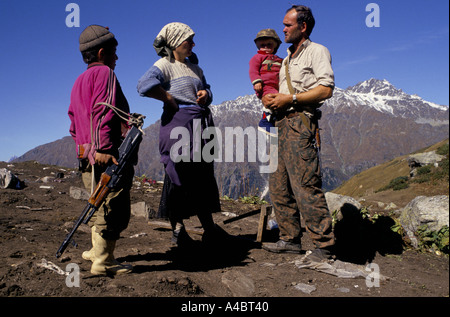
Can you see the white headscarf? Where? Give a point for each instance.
(170, 37)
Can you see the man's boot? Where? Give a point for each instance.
(104, 261)
(90, 255)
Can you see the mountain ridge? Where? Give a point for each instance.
(362, 126)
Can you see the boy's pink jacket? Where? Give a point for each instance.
(265, 68)
(97, 84)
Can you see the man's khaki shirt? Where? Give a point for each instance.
(308, 69)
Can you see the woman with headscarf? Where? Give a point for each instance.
(190, 187)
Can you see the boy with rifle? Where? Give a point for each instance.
(98, 132)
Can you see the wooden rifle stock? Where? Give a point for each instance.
(101, 191)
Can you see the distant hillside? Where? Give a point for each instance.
(60, 152)
(370, 183)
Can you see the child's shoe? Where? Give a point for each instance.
(266, 123)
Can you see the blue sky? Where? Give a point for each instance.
(40, 59)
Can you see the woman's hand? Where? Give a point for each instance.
(159, 93)
(202, 97)
(170, 104)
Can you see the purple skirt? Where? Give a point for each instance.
(190, 188)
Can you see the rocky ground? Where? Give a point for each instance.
(35, 220)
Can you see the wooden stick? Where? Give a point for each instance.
(247, 214)
(262, 222)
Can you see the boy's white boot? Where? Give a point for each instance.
(104, 261)
(90, 255)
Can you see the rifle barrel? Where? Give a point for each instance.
(66, 241)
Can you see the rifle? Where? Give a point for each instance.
(108, 180)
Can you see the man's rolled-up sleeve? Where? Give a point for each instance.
(322, 68)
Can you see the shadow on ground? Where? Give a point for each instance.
(358, 239)
(197, 256)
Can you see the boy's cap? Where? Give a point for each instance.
(93, 36)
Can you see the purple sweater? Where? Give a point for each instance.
(97, 84)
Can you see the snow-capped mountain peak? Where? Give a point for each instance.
(376, 87)
(382, 96)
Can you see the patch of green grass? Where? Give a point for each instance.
(442, 150)
(255, 200)
(434, 240)
(397, 183)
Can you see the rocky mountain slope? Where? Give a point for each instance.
(362, 126)
(373, 122)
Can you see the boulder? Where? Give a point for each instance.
(9, 180)
(79, 193)
(431, 211)
(140, 209)
(420, 159)
(341, 204)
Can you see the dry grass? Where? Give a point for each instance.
(368, 183)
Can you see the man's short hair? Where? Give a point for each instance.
(304, 14)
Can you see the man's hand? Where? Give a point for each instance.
(281, 102)
(277, 102)
(104, 159)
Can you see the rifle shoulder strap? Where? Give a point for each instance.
(306, 121)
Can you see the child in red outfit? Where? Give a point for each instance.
(264, 70)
